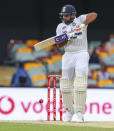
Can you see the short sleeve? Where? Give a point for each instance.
(82, 18)
(58, 30)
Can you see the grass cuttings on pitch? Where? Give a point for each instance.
(11, 126)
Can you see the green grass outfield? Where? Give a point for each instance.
(55, 126)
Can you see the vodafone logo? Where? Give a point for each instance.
(7, 105)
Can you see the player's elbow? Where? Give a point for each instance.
(90, 18)
(94, 15)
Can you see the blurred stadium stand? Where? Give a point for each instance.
(40, 64)
(39, 21)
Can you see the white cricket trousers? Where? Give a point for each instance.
(75, 64)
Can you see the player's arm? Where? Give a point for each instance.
(59, 32)
(84, 20)
(61, 44)
(90, 17)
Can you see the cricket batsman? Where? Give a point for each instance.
(73, 83)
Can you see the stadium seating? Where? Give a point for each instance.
(16, 47)
(39, 80)
(14, 42)
(110, 69)
(40, 54)
(111, 75)
(111, 51)
(108, 61)
(92, 83)
(29, 65)
(37, 73)
(108, 83)
(94, 66)
(54, 63)
(34, 71)
(93, 44)
(6, 74)
(39, 64)
(30, 43)
(49, 48)
(103, 54)
(24, 54)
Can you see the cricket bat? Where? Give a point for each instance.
(50, 41)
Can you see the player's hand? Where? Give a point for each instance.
(61, 44)
(74, 35)
(71, 35)
(80, 31)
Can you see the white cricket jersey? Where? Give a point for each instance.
(74, 45)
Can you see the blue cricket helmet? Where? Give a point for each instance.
(68, 10)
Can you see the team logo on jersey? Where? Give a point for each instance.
(73, 24)
(64, 9)
(63, 27)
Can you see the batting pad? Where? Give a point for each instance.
(80, 86)
(66, 87)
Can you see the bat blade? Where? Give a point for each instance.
(51, 41)
(45, 43)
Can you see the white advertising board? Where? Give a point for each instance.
(23, 104)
